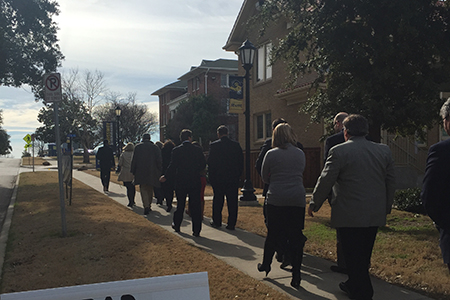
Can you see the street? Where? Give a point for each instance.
(9, 169)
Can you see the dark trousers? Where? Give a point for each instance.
(105, 175)
(194, 207)
(357, 245)
(159, 194)
(444, 244)
(131, 191)
(339, 252)
(167, 188)
(285, 223)
(231, 192)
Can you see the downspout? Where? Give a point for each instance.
(206, 82)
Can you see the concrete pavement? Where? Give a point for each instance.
(244, 250)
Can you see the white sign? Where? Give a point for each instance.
(176, 287)
(52, 87)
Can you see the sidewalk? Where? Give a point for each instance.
(244, 250)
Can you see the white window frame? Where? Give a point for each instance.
(264, 68)
(227, 80)
(266, 126)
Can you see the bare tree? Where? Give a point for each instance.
(88, 87)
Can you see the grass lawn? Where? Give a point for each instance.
(406, 251)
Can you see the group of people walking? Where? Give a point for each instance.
(358, 180)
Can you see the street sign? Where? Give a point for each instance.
(27, 139)
(52, 87)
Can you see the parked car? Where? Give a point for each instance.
(80, 152)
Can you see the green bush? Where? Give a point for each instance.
(409, 200)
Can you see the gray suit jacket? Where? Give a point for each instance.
(362, 176)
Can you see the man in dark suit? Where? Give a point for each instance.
(336, 139)
(338, 136)
(363, 192)
(225, 166)
(146, 166)
(435, 196)
(184, 169)
(105, 156)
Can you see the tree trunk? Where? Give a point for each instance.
(86, 154)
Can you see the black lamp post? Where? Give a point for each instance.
(118, 112)
(247, 54)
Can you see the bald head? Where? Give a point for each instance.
(338, 119)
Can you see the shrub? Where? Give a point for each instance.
(409, 200)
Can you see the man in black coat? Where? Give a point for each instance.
(331, 141)
(184, 169)
(435, 196)
(105, 156)
(225, 166)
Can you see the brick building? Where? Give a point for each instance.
(270, 100)
(209, 78)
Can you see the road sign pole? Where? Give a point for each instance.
(60, 173)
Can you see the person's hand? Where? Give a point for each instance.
(310, 211)
(162, 179)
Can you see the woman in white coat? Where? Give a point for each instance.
(125, 175)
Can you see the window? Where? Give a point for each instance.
(264, 67)
(195, 84)
(263, 126)
(224, 80)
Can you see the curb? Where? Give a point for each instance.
(7, 224)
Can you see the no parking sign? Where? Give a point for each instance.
(52, 87)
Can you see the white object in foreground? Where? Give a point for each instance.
(185, 286)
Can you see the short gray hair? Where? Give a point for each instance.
(445, 109)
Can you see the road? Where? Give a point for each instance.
(9, 170)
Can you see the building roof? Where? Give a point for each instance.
(177, 85)
(239, 31)
(219, 65)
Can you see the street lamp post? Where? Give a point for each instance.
(247, 54)
(118, 112)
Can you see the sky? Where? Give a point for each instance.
(139, 46)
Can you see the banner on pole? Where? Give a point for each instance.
(236, 96)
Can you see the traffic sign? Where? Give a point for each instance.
(27, 139)
(52, 87)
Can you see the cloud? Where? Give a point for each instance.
(139, 45)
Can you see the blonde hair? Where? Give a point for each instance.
(283, 135)
(128, 147)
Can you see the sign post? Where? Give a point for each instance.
(53, 93)
(27, 140)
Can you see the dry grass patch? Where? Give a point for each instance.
(105, 242)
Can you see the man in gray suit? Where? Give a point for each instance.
(361, 174)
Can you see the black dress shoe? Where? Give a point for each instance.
(345, 289)
(338, 269)
(196, 234)
(230, 227)
(147, 210)
(263, 268)
(177, 229)
(169, 208)
(214, 225)
(295, 282)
